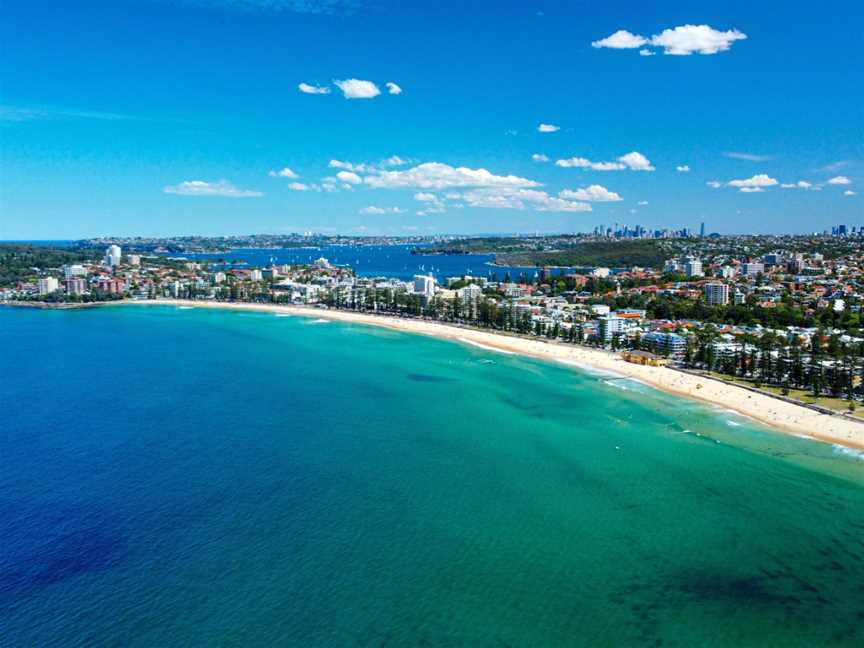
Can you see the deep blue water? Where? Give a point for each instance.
(175, 477)
(379, 261)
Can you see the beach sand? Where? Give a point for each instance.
(780, 415)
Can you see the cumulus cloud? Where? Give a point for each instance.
(548, 128)
(754, 184)
(849, 192)
(512, 198)
(621, 39)
(594, 193)
(393, 89)
(393, 160)
(380, 210)
(349, 177)
(436, 175)
(357, 89)
(539, 157)
(682, 168)
(311, 89)
(801, 184)
(634, 161)
(284, 173)
(714, 184)
(839, 180)
(702, 39)
(642, 203)
(298, 186)
(425, 196)
(221, 188)
(683, 40)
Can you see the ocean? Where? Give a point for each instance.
(195, 477)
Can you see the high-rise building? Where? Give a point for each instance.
(424, 285)
(753, 269)
(47, 285)
(112, 256)
(75, 285)
(716, 294)
(74, 270)
(691, 266)
(610, 326)
(702, 230)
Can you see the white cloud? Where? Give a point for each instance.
(283, 173)
(714, 184)
(548, 128)
(751, 185)
(222, 188)
(393, 89)
(682, 168)
(358, 89)
(849, 192)
(642, 203)
(621, 39)
(702, 39)
(539, 157)
(511, 198)
(634, 161)
(298, 186)
(594, 193)
(425, 196)
(750, 157)
(678, 41)
(801, 184)
(436, 175)
(380, 210)
(393, 160)
(311, 89)
(839, 180)
(349, 177)
(584, 163)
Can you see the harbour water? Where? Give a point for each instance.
(195, 477)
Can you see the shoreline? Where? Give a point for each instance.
(777, 414)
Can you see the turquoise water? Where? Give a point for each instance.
(189, 477)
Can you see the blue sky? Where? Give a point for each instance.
(161, 118)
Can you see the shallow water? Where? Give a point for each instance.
(199, 477)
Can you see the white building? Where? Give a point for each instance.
(692, 266)
(424, 285)
(611, 325)
(135, 259)
(600, 309)
(112, 256)
(739, 298)
(716, 294)
(256, 275)
(753, 269)
(75, 270)
(600, 273)
(728, 272)
(47, 285)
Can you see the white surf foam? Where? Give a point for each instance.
(486, 347)
(849, 452)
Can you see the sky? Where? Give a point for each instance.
(160, 118)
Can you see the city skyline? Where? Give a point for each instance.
(276, 117)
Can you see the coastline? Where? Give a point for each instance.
(777, 414)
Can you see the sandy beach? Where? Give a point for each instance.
(778, 414)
